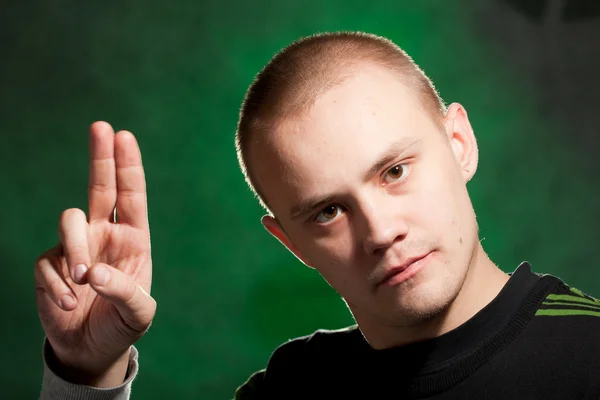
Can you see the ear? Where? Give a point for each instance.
(462, 140)
(272, 225)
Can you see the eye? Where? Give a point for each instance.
(396, 173)
(328, 214)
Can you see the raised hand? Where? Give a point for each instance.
(93, 288)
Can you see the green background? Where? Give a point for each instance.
(175, 75)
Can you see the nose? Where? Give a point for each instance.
(384, 227)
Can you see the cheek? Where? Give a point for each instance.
(335, 252)
(334, 259)
(440, 209)
(328, 253)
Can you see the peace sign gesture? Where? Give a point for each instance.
(92, 289)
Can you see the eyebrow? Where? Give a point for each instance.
(395, 150)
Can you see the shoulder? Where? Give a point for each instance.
(319, 345)
(303, 364)
(568, 304)
(308, 359)
(561, 339)
(567, 323)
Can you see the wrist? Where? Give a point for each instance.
(107, 374)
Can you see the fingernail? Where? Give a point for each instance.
(67, 301)
(79, 272)
(101, 276)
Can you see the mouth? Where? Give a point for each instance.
(406, 270)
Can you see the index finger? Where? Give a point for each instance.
(131, 183)
(102, 187)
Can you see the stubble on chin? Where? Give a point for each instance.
(422, 303)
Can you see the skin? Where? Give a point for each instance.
(92, 288)
(381, 211)
(371, 223)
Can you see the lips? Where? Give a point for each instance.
(392, 272)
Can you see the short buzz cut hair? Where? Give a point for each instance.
(296, 76)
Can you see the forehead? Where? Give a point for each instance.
(344, 131)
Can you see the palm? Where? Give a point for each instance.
(96, 326)
(122, 247)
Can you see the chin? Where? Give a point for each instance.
(425, 311)
(427, 300)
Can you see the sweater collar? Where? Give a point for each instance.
(488, 320)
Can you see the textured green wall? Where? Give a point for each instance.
(175, 74)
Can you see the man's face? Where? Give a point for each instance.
(363, 184)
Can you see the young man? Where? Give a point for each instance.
(363, 171)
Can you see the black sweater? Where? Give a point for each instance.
(538, 339)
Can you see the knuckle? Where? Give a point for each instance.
(154, 307)
(71, 213)
(147, 316)
(40, 259)
(37, 270)
(128, 193)
(146, 321)
(101, 187)
(69, 218)
(42, 262)
(37, 273)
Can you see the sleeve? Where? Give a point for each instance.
(56, 388)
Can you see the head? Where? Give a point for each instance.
(362, 170)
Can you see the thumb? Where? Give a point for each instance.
(136, 306)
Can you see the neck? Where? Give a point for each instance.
(483, 281)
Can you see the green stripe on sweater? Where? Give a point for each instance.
(562, 303)
(573, 299)
(564, 313)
